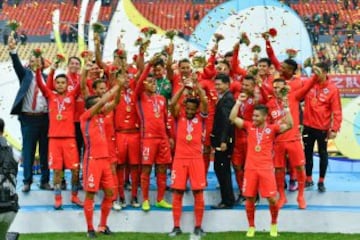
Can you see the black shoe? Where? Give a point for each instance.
(199, 232)
(26, 188)
(46, 186)
(104, 230)
(175, 232)
(240, 199)
(63, 185)
(91, 234)
(222, 206)
(321, 187)
(309, 184)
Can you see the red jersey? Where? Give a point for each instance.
(152, 110)
(177, 83)
(276, 110)
(61, 110)
(109, 126)
(126, 116)
(93, 130)
(236, 73)
(235, 88)
(189, 136)
(323, 107)
(245, 112)
(260, 145)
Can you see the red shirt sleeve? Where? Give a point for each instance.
(300, 93)
(209, 70)
(50, 79)
(41, 85)
(271, 55)
(235, 64)
(336, 110)
(140, 84)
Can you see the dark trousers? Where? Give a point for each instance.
(79, 140)
(222, 168)
(310, 135)
(34, 130)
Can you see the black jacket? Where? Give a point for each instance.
(223, 130)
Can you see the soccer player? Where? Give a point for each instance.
(188, 163)
(288, 144)
(259, 166)
(322, 121)
(155, 143)
(97, 167)
(63, 152)
(99, 87)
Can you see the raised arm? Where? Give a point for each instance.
(140, 84)
(235, 63)
(271, 55)
(120, 79)
(18, 67)
(203, 99)
(83, 87)
(237, 121)
(50, 78)
(174, 105)
(169, 70)
(98, 59)
(103, 100)
(41, 84)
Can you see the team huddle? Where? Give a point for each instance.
(175, 115)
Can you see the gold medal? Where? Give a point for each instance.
(257, 148)
(59, 117)
(128, 108)
(157, 115)
(188, 137)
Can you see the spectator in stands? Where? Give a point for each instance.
(187, 15)
(64, 36)
(52, 36)
(196, 15)
(5, 35)
(23, 37)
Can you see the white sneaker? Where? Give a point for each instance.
(116, 206)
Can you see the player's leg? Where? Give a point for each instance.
(274, 212)
(145, 183)
(75, 187)
(89, 213)
(321, 139)
(56, 163)
(57, 189)
(250, 190)
(176, 211)
(309, 141)
(279, 163)
(134, 176)
(134, 161)
(161, 185)
(107, 183)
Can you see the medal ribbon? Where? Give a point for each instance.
(189, 127)
(155, 104)
(259, 136)
(60, 105)
(127, 96)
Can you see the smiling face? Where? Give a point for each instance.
(74, 65)
(258, 117)
(150, 85)
(190, 110)
(185, 69)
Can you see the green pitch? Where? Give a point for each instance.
(209, 236)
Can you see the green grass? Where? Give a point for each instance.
(209, 236)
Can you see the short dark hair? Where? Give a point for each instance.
(62, 75)
(96, 82)
(90, 101)
(2, 125)
(292, 63)
(74, 57)
(279, 80)
(192, 100)
(324, 66)
(224, 62)
(250, 78)
(265, 60)
(262, 108)
(184, 60)
(159, 62)
(229, 54)
(224, 78)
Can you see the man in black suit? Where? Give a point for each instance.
(31, 108)
(221, 141)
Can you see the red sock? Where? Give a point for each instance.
(121, 177)
(239, 174)
(250, 212)
(116, 187)
(105, 210)
(321, 180)
(206, 158)
(177, 208)
(161, 185)
(199, 206)
(280, 178)
(293, 174)
(134, 174)
(274, 211)
(89, 213)
(301, 181)
(145, 182)
(309, 178)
